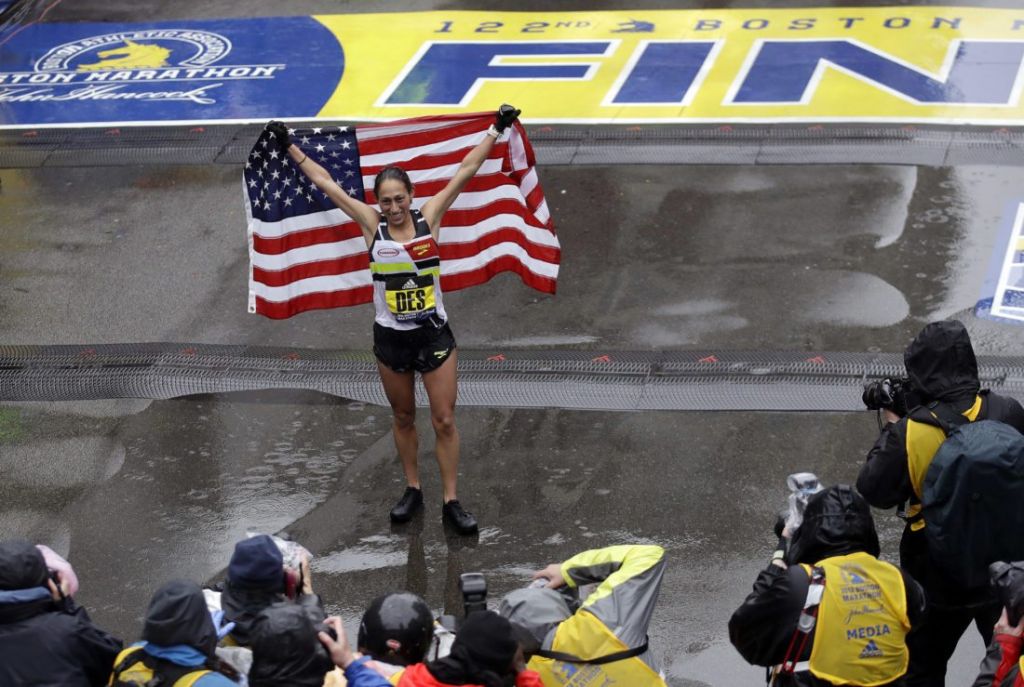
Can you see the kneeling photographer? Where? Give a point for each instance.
(941, 395)
(826, 611)
(602, 641)
(401, 644)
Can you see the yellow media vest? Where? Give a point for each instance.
(862, 622)
(923, 440)
(585, 636)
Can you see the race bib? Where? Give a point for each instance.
(410, 298)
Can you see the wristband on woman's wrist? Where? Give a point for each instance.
(493, 132)
(304, 158)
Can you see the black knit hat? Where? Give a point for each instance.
(257, 564)
(481, 654)
(488, 639)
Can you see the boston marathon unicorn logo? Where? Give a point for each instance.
(168, 72)
(131, 55)
(144, 65)
(141, 49)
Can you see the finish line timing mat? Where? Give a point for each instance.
(934, 65)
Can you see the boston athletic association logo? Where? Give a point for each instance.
(141, 65)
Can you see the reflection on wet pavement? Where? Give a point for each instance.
(175, 484)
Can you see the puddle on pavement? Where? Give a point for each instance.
(177, 483)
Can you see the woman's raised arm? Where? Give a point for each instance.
(433, 210)
(359, 211)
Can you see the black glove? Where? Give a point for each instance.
(780, 524)
(505, 116)
(280, 132)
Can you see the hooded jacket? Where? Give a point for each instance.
(837, 522)
(286, 649)
(178, 629)
(613, 620)
(941, 367)
(45, 643)
(178, 615)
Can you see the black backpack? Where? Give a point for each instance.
(973, 496)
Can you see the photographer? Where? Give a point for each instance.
(485, 654)
(1003, 665)
(179, 642)
(604, 641)
(286, 649)
(396, 630)
(258, 578)
(45, 637)
(829, 612)
(942, 383)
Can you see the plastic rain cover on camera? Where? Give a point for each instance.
(802, 485)
(292, 552)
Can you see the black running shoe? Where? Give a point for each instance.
(461, 519)
(411, 501)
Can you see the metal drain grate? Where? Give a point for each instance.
(621, 380)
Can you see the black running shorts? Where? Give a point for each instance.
(422, 349)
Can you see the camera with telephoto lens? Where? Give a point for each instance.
(474, 592)
(888, 394)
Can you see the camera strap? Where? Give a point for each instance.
(939, 415)
(805, 624)
(600, 660)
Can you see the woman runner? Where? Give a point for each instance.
(410, 332)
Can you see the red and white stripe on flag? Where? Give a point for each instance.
(317, 258)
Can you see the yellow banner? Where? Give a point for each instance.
(948, 65)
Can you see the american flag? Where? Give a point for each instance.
(306, 254)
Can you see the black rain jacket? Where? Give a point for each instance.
(836, 522)
(942, 367)
(285, 647)
(241, 605)
(45, 643)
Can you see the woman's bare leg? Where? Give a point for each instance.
(401, 392)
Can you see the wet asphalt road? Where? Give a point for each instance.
(851, 258)
(832, 258)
